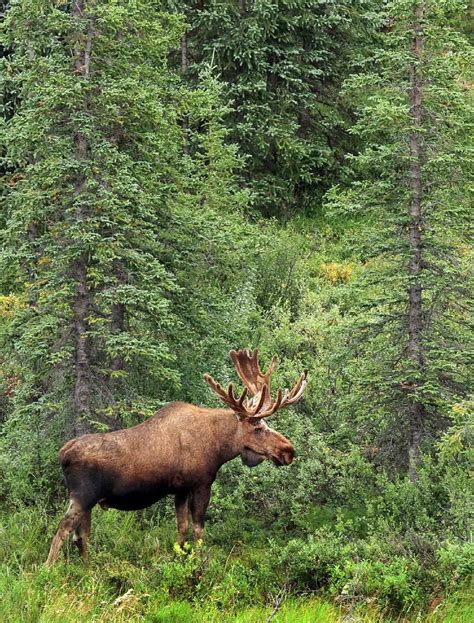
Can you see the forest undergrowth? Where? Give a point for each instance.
(244, 572)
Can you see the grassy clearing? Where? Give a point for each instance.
(135, 574)
(62, 597)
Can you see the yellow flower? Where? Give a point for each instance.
(336, 273)
(9, 304)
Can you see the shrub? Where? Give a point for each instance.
(309, 563)
(398, 584)
(456, 564)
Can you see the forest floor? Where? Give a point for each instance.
(137, 574)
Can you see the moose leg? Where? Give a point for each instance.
(81, 535)
(182, 516)
(199, 503)
(69, 523)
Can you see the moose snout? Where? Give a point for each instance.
(286, 455)
(289, 455)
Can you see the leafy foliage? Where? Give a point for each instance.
(282, 65)
(145, 149)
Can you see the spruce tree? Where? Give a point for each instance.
(282, 64)
(410, 201)
(109, 225)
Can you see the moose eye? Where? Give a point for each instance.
(259, 430)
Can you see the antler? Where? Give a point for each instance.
(246, 366)
(282, 401)
(261, 404)
(240, 405)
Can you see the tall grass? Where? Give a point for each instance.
(136, 574)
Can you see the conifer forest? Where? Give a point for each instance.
(185, 178)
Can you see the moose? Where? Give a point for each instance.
(176, 452)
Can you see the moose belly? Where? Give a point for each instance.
(135, 499)
(131, 501)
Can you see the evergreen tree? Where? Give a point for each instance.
(110, 227)
(414, 119)
(282, 64)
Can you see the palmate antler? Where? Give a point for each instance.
(247, 367)
(258, 384)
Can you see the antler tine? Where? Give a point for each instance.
(263, 398)
(290, 398)
(230, 392)
(239, 405)
(226, 396)
(214, 385)
(271, 367)
(242, 361)
(242, 397)
(247, 367)
(274, 406)
(295, 394)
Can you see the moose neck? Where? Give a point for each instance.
(227, 433)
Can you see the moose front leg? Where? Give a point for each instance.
(199, 502)
(181, 504)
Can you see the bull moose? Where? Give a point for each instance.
(176, 452)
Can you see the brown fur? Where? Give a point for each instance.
(177, 452)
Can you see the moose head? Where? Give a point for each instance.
(255, 439)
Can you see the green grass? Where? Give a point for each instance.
(62, 599)
(303, 611)
(135, 574)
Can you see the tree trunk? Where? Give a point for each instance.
(415, 310)
(82, 368)
(117, 325)
(184, 68)
(83, 295)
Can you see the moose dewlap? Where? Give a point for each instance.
(176, 452)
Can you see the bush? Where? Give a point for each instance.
(456, 564)
(399, 584)
(309, 564)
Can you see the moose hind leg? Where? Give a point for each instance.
(81, 534)
(68, 524)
